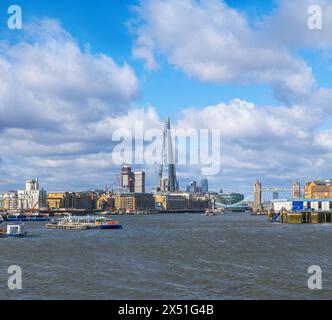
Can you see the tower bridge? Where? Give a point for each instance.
(259, 189)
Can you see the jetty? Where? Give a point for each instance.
(303, 217)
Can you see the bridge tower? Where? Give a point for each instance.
(258, 196)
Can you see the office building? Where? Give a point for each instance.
(8, 201)
(139, 182)
(132, 202)
(71, 200)
(132, 182)
(31, 198)
(167, 181)
(170, 201)
(204, 186)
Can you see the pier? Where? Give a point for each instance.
(302, 217)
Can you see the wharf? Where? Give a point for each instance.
(316, 217)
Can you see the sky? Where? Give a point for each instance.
(79, 70)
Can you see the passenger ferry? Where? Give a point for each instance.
(27, 218)
(13, 230)
(84, 223)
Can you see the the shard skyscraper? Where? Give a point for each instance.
(167, 181)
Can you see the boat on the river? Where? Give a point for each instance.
(210, 213)
(27, 218)
(214, 212)
(13, 230)
(84, 223)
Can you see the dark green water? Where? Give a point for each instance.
(171, 257)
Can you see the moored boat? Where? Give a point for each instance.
(13, 230)
(27, 218)
(105, 224)
(84, 223)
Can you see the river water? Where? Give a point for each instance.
(171, 257)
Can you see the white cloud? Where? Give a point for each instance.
(275, 144)
(53, 96)
(59, 104)
(210, 41)
(50, 82)
(288, 25)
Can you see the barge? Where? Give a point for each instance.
(301, 217)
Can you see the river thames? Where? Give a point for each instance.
(171, 257)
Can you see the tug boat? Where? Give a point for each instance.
(13, 230)
(84, 223)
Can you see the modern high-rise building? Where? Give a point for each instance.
(167, 181)
(193, 188)
(204, 186)
(127, 179)
(139, 182)
(132, 181)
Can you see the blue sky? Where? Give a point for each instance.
(250, 68)
(104, 25)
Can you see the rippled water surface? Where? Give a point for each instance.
(171, 257)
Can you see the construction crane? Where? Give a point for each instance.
(116, 183)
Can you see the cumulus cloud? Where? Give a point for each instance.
(212, 42)
(48, 81)
(267, 142)
(60, 104)
(288, 25)
(53, 98)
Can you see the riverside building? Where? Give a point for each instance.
(318, 189)
(8, 201)
(32, 198)
(134, 202)
(71, 200)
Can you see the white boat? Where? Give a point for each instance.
(214, 212)
(84, 223)
(13, 230)
(210, 213)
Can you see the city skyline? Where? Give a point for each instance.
(58, 129)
